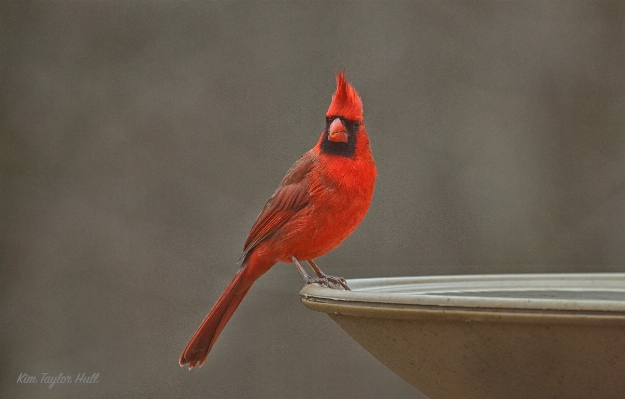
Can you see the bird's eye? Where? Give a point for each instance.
(356, 126)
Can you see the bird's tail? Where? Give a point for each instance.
(204, 338)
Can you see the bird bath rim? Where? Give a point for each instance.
(579, 293)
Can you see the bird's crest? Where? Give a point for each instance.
(345, 101)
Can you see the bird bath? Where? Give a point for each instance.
(490, 336)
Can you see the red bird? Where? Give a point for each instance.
(319, 202)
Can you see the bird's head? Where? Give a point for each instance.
(343, 119)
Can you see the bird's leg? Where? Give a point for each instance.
(336, 282)
(302, 271)
(316, 269)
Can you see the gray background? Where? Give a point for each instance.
(139, 140)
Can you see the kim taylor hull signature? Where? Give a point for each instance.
(46, 378)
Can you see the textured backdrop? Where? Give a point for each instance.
(139, 140)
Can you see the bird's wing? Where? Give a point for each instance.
(291, 195)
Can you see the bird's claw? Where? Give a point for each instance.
(333, 282)
(322, 279)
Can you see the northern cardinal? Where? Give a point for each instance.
(319, 202)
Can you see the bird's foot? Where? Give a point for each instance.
(333, 282)
(322, 279)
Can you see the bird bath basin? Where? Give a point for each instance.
(490, 336)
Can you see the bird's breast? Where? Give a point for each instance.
(340, 195)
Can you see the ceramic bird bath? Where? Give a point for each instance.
(490, 336)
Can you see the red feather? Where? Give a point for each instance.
(290, 196)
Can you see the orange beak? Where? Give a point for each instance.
(337, 132)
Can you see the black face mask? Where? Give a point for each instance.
(342, 149)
